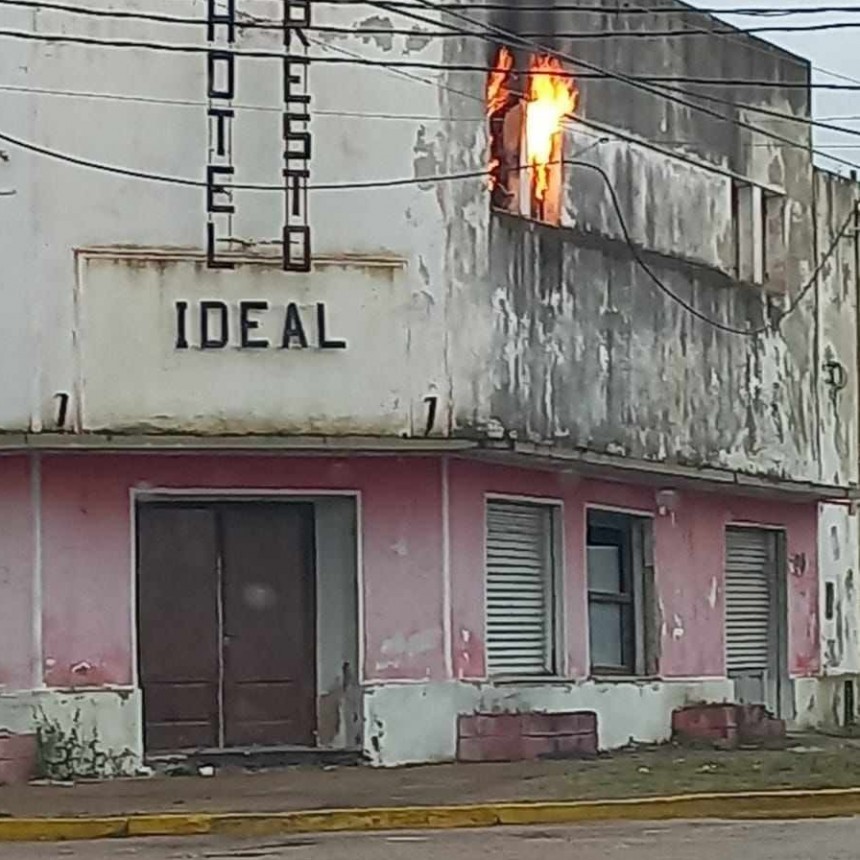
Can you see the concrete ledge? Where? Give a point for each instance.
(773, 805)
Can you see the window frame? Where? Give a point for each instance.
(554, 661)
(634, 536)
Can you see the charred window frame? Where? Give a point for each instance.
(517, 187)
(758, 216)
(621, 596)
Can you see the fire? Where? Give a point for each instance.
(551, 96)
(497, 90)
(498, 95)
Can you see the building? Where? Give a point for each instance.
(480, 458)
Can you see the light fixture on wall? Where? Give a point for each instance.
(667, 503)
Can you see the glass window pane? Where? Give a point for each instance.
(604, 569)
(605, 625)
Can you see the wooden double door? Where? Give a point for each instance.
(226, 624)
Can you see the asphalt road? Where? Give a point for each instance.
(813, 840)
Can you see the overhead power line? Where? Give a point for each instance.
(181, 20)
(595, 74)
(687, 306)
(564, 8)
(470, 174)
(499, 36)
(620, 11)
(377, 115)
(592, 35)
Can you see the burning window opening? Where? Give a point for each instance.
(525, 113)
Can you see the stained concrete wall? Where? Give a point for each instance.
(572, 343)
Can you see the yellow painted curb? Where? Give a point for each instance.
(827, 803)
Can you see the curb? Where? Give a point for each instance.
(773, 805)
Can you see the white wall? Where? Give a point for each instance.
(410, 723)
(60, 207)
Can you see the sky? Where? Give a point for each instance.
(833, 52)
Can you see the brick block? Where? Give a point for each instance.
(500, 725)
(467, 726)
(537, 725)
(583, 745)
(712, 723)
(574, 723)
(515, 737)
(18, 755)
(538, 747)
(487, 749)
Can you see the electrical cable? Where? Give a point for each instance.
(498, 35)
(678, 9)
(163, 18)
(634, 250)
(596, 74)
(472, 174)
(566, 8)
(624, 78)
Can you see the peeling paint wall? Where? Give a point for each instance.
(338, 670)
(839, 604)
(18, 667)
(87, 556)
(689, 555)
(578, 347)
(418, 614)
(410, 723)
(100, 730)
(58, 207)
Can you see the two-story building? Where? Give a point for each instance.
(561, 418)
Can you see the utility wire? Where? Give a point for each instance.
(566, 8)
(470, 174)
(592, 35)
(499, 35)
(378, 115)
(519, 41)
(637, 256)
(595, 74)
(163, 18)
(512, 5)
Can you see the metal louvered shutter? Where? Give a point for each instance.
(519, 565)
(748, 600)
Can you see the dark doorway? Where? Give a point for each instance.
(226, 620)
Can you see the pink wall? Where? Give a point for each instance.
(17, 544)
(87, 598)
(87, 553)
(689, 555)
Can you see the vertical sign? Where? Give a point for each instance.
(221, 89)
(297, 138)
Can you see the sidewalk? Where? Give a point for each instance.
(807, 763)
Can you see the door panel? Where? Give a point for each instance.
(269, 629)
(177, 623)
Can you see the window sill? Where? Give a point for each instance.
(622, 678)
(531, 680)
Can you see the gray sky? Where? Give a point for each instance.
(833, 52)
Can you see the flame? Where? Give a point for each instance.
(497, 91)
(551, 96)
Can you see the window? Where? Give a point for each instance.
(620, 587)
(526, 107)
(520, 579)
(760, 235)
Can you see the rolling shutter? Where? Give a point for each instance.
(748, 600)
(519, 577)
